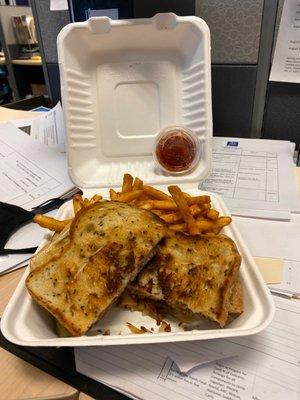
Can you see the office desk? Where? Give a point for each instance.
(58, 362)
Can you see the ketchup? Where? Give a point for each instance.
(176, 151)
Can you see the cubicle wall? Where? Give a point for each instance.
(242, 34)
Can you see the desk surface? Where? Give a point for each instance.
(8, 114)
(32, 382)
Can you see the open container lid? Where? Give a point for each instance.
(124, 81)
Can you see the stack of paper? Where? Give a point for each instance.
(48, 128)
(263, 366)
(30, 173)
(255, 177)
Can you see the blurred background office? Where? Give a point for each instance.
(243, 36)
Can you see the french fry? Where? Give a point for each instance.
(197, 200)
(182, 204)
(160, 213)
(178, 227)
(206, 225)
(137, 184)
(222, 221)
(212, 214)
(156, 194)
(77, 202)
(171, 218)
(113, 194)
(95, 198)
(127, 197)
(145, 204)
(85, 203)
(51, 223)
(127, 183)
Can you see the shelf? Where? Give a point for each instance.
(27, 62)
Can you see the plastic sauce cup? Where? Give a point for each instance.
(177, 150)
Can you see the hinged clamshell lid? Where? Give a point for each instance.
(121, 83)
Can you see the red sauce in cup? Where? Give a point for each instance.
(176, 150)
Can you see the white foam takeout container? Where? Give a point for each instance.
(122, 82)
(26, 323)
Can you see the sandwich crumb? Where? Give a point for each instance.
(164, 327)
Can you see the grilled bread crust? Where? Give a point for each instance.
(108, 244)
(194, 275)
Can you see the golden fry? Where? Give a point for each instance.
(206, 225)
(182, 204)
(222, 221)
(174, 217)
(160, 213)
(171, 218)
(127, 183)
(95, 198)
(77, 202)
(197, 200)
(212, 214)
(137, 184)
(113, 194)
(127, 197)
(51, 223)
(85, 203)
(156, 194)
(179, 227)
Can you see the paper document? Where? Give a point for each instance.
(259, 367)
(286, 60)
(253, 175)
(30, 173)
(48, 128)
(264, 238)
(58, 5)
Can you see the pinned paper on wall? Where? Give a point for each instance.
(286, 60)
(58, 5)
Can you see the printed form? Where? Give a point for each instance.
(265, 366)
(48, 128)
(30, 173)
(253, 175)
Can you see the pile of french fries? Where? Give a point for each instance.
(180, 211)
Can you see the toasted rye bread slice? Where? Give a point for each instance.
(109, 243)
(194, 275)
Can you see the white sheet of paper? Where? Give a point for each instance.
(286, 60)
(267, 365)
(30, 173)
(253, 175)
(264, 238)
(48, 128)
(58, 5)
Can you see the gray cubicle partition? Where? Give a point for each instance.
(242, 41)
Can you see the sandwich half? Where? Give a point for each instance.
(107, 245)
(195, 276)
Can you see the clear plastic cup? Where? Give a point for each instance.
(177, 150)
